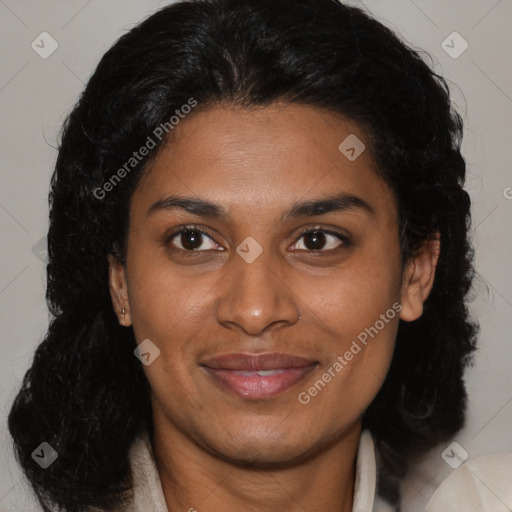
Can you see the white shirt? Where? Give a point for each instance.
(148, 494)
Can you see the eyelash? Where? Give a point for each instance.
(343, 238)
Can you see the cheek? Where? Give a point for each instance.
(355, 297)
(161, 300)
(348, 383)
(358, 309)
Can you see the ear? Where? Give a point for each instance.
(119, 290)
(419, 278)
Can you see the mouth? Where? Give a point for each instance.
(258, 376)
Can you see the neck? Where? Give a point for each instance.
(195, 479)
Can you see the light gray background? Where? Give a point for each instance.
(36, 94)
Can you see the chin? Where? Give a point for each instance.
(264, 449)
(261, 456)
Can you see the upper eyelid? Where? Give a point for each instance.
(329, 231)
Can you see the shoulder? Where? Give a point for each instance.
(146, 486)
(483, 484)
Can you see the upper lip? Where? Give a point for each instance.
(256, 362)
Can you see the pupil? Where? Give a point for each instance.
(317, 239)
(191, 239)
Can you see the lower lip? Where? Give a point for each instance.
(259, 386)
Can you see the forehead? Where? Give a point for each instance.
(266, 158)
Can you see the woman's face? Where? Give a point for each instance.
(239, 288)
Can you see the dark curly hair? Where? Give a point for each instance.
(85, 392)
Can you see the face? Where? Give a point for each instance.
(218, 288)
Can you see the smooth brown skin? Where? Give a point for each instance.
(256, 163)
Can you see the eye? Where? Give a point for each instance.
(315, 239)
(191, 239)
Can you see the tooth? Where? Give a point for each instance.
(261, 373)
(265, 373)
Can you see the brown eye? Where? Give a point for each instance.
(316, 240)
(191, 239)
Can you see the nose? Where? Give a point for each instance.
(255, 296)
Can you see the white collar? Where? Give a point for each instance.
(147, 488)
(366, 474)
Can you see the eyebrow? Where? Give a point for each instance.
(321, 206)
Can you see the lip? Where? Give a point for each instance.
(257, 376)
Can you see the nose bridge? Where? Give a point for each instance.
(256, 295)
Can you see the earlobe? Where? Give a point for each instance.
(118, 290)
(419, 279)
